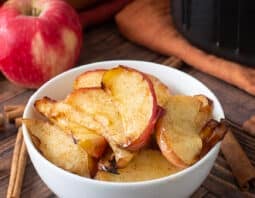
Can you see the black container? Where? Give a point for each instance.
(225, 28)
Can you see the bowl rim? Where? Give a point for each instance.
(79, 178)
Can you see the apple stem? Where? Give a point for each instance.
(35, 12)
(102, 12)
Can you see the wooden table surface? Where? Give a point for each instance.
(105, 43)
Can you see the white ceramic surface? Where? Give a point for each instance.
(69, 185)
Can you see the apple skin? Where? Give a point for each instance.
(137, 141)
(145, 136)
(36, 48)
(167, 151)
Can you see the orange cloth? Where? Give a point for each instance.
(148, 23)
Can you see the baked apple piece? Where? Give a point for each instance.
(92, 78)
(60, 113)
(82, 125)
(122, 156)
(177, 131)
(135, 100)
(58, 147)
(98, 104)
(161, 90)
(115, 158)
(146, 165)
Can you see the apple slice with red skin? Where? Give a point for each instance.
(71, 117)
(161, 90)
(98, 104)
(93, 78)
(135, 99)
(177, 131)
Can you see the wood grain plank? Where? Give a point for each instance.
(20, 98)
(9, 90)
(223, 188)
(222, 161)
(223, 173)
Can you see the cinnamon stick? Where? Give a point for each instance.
(238, 161)
(1, 120)
(18, 122)
(17, 167)
(12, 112)
(8, 108)
(249, 125)
(149, 23)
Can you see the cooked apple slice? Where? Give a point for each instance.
(60, 113)
(58, 147)
(96, 103)
(92, 143)
(206, 109)
(122, 156)
(70, 116)
(54, 109)
(146, 165)
(92, 78)
(177, 131)
(162, 91)
(99, 105)
(116, 157)
(135, 99)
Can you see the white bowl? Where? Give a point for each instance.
(65, 184)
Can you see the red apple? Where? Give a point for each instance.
(38, 40)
